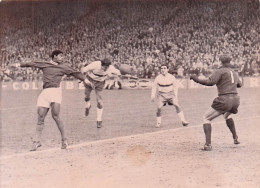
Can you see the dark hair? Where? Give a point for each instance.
(55, 53)
(164, 65)
(105, 62)
(224, 58)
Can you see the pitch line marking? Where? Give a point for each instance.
(112, 139)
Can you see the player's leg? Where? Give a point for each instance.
(207, 118)
(55, 112)
(42, 112)
(119, 84)
(99, 108)
(231, 125)
(161, 102)
(159, 113)
(98, 90)
(88, 90)
(43, 105)
(179, 111)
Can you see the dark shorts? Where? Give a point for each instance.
(226, 103)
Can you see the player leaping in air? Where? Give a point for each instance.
(97, 72)
(166, 86)
(227, 102)
(51, 95)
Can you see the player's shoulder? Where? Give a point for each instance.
(224, 69)
(96, 63)
(220, 70)
(159, 76)
(171, 76)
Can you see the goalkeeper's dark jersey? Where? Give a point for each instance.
(226, 81)
(52, 73)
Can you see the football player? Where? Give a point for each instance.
(97, 72)
(227, 102)
(166, 87)
(51, 95)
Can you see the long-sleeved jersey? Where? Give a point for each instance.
(94, 71)
(53, 72)
(164, 84)
(226, 81)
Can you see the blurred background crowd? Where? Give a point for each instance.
(189, 35)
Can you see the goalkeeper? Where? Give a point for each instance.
(227, 102)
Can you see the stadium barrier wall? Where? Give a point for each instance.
(249, 82)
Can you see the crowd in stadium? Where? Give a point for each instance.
(189, 35)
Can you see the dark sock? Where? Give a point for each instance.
(231, 125)
(207, 131)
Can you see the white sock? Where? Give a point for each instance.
(87, 105)
(99, 114)
(181, 115)
(159, 120)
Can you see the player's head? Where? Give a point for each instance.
(225, 59)
(164, 69)
(57, 56)
(105, 63)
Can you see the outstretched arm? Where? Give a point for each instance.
(29, 63)
(78, 75)
(81, 77)
(205, 82)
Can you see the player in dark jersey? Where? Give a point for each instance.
(51, 95)
(227, 102)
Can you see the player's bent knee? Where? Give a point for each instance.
(227, 117)
(178, 108)
(56, 117)
(99, 105)
(205, 120)
(40, 124)
(41, 119)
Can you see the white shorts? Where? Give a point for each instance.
(48, 96)
(169, 97)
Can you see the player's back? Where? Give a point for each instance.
(228, 81)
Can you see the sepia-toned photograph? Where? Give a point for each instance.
(130, 94)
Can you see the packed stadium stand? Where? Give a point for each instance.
(189, 35)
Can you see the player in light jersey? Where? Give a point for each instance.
(97, 72)
(51, 95)
(227, 102)
(166, 86)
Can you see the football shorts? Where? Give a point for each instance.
(169, 97)
(226, 103)
(48, 96)
(99, 85)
